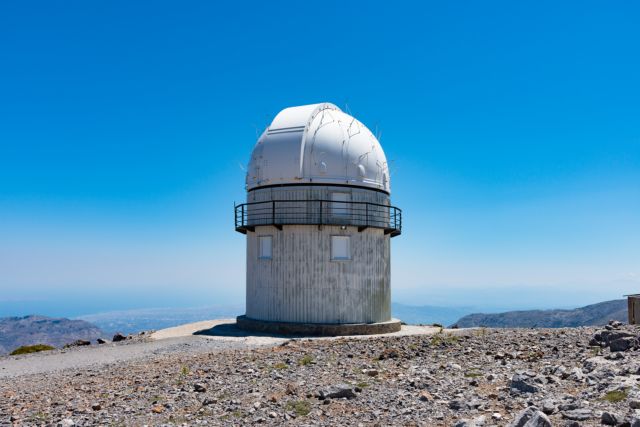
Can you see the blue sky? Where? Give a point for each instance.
(513, 130)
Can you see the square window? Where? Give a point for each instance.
(265, 247)
(340, 247)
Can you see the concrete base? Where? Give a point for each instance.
(317, 329)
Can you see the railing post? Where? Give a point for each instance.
(366, 214)
(273, 212)
(242, 216)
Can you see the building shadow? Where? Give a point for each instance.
(232, 330)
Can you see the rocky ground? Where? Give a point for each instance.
(522, 377)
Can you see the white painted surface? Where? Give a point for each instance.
(317, 144)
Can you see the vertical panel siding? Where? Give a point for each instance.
(301, 283)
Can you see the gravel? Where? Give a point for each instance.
(462, 377)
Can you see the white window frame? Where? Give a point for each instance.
(333, 249)
(261, 239)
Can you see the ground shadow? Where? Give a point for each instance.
(232, 330)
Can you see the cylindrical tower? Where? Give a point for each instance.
(318, 221)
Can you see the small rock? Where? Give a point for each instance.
(548, 407)
(389, 353)
(635, 422)
(67, 422)
(291, 389)
(78, 343)
(273, 415)
(158, 409)
(614, 356)
(576, 374)
(634, 404)
(531, 417)
(580, 414)
(425, 396)
(456, 404)
(337, 392)
(101, 341)
(96, 406)
(496, 416)
(199, 387)
(209, 401)
(610, 419)
(521, 383)
(480, 421)
(118, 337)
(371, 372)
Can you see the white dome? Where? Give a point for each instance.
(317, 144)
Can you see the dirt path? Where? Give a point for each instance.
(200, 337)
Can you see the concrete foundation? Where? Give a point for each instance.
(317, 329)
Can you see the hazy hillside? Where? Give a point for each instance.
(590, 315)
(28, 330)
(133, 321)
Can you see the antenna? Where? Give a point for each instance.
(378, 133)
(392, 167)
(255, 126)
(346, 108)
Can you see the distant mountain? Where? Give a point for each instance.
(590, 315)
(29, 330)
(428, 314)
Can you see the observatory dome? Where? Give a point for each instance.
(317, 144)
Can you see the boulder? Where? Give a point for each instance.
(531, 417)
(118, 337)
(610, 419)
(623, 344)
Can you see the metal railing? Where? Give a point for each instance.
(318, 212)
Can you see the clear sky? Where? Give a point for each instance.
(512, 128)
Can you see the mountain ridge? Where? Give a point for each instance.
(35, 329)
(589, 315)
